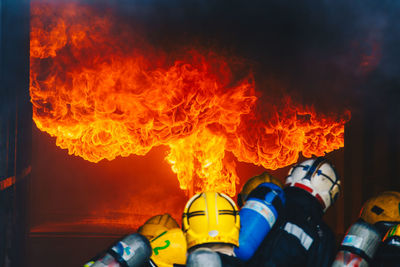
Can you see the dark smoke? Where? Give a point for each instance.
(321, 52)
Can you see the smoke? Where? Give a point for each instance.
(320, 52)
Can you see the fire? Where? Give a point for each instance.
(105, 93)
(202, 155)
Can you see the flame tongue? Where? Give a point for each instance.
(200, 163)
(102, 97)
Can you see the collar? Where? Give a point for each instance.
(301, 200)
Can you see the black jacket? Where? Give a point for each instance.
(300, 237)
(387, 256)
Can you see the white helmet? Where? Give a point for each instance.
(318, 177)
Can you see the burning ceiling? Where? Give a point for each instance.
(103, 91)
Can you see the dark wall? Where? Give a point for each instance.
(372, 145)
(15, 130)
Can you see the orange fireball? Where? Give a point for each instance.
(104, 95)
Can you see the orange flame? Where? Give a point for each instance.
(103, 95)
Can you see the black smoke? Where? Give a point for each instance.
(324, 53)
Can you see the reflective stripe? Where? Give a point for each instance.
(303, 237)
(302, 186)
(394, 242)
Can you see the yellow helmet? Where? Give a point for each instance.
(253, 182)
(169, 247)
(156, 225)
(382, 208)
(211, 217)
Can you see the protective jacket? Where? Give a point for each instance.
(300, 237)
(387, 256)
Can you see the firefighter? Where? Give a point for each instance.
(159, 243)
(302, 238)
(383, 211)
(359, 246)
(211, 224)
(261, 200)
(362, 244)
(167, 241)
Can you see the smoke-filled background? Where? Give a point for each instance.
(321, 51)
(336, 55)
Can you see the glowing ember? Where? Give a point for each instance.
(104, 93)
